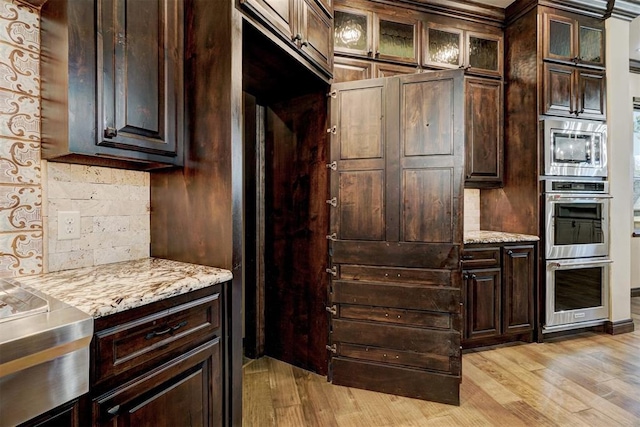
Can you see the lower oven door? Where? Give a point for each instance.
(577, 291)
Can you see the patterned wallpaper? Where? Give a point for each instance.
(21, 230)
(113, 204)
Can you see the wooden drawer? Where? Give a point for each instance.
(480, 257)
(149, 338)
(432, 361)
(424, 319)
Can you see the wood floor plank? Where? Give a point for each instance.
(590, 379)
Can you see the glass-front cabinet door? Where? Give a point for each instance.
(396, 39)
(568, 39)
(442, 47)
(352, 32)
(484, 54)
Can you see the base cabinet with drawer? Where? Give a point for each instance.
(160, 364)
(499, 293)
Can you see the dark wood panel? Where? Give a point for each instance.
(360, 125)
(395, 274)
(592, 93)
(483, 299)
(382, 69)
(418, 340)
(316, 30)
(401, 254)
(395, 315)
(412, 359)
(515, 207)
(519, 280)
(348, 69)
(483, 131)
(403, 296)
(196, 212)
(296, 323)
(396, 380)
(559, 96)
(361, 205)
(427, 118)
(427, 210)
(480, 257)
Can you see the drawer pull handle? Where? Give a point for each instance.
(114, 410)
(465, 257)
(165, 331)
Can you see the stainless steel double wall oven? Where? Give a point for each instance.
(576, 224)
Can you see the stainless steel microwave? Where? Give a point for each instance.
(575, 148)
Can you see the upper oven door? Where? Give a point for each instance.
(577, 226)
(575, 148)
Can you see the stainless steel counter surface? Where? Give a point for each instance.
(107, 289)
(485, 236)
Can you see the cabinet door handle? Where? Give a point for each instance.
(509, 252)
(296, 37)
(165, 331)
(304, 43)
(110, 132)
(113, 410)
(473, 276)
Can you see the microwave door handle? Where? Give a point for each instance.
(556, 265)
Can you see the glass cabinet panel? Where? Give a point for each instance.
(351, 32)
(396, 39)
(443, 46)
(484, 54)
(591, 45)
(560, 38)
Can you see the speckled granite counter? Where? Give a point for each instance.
(111, 288)
(482, 236)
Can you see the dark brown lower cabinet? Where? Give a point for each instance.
(499, 293)
(183, 392)
(66, 415)
(160, 364)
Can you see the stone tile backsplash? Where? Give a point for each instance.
(113, 204)
(471, 209)
(114, 214)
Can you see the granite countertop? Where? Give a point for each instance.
(107, 289)
(484, 236)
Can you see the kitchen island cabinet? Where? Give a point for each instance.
(499, 288)
(160, 347)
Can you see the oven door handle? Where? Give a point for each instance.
(556, 265)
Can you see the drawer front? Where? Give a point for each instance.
(478, 258)
(129, 345)
(433, 361)
(423, 319)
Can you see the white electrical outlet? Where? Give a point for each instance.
(68, 225)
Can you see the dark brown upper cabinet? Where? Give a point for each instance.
(305, 24)
(112, 82)
(573, 38)
(450, 47)
(367, 33)
(573, 92)
(350, 69)
(483, 132)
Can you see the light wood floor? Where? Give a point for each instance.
(587, 380)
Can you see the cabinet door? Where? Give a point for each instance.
(315, 31)
(389, 70)
(443, 46)
(348, 69)
(574, 38)
(396, 39)
(591, 94)
(278, 14)
(185, 391)
(559, 37)
(484, 54)
(518, 275)
(482, 303)
(483, 132)
(558, 90)
(353, 32)
(140, 55)
(591, 43)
